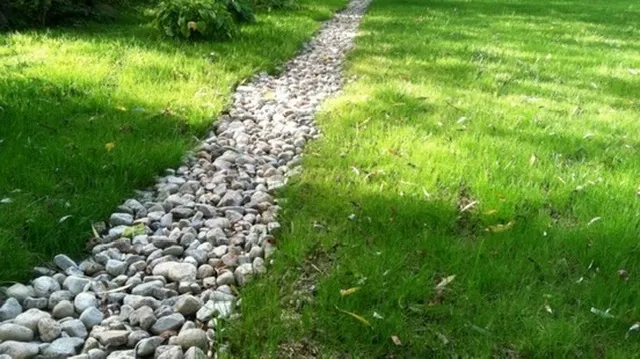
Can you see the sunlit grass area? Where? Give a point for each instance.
(476, 192)
(87, 115)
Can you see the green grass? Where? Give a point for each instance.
(66, 93)
(496, 141)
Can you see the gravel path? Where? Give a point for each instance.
(161, 272)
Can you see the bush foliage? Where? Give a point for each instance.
(205, 19)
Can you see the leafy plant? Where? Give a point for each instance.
(241, 10)
(275, 4)
(195, 19)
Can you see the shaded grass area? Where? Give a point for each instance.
(493, 141)
(87, 115)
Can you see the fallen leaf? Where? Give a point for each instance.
(588, 135)
(602, 313)
(533, 159)
(633, 328)
(623, 274)
(548, 309)
(634, 71)
(351, 217)
(64, 218)
(443, 338)
(469, 206)
(192, 25)
(500, 227)
(356, 316)
(377, 316)
(109, 146)
(444, 282)
(133, 231)
(593, 220)
(491, 212)
(345, 292)
(396, 340)
(355, 170)
(6, 200)
(121, 108)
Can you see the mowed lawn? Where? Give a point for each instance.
(476, 192)
(89, 114)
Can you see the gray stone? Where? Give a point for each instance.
(116, 267)
(63, 348)
(170, 322)
(142, 317)
(20, 292)
(75, 284)
(91, 317)
(49, 329)
(63, 309)
(192, 338)
(19, 350)
(44, 286)
(75, 328)
(187, 305)
(63, 262)
(146, 347)
(195, 353)
(176, 271)
(243, 273)
(96, 354)
(147, 289)
(40, 303)
(122, 354)
(137, 301)
(231, 198)
(85, 300)
(135, 337)
(30, 318)
(10, 309)
(121, 219)
(112, 338)
(9, 331)
(173, 352)
(59, 296)
(226, 277)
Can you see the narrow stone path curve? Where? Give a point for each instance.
(161, 272)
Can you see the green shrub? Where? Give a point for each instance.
(207, 19)
(241, 10)
(275, 4)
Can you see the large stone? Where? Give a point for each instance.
(31, 318)
(63, 262)
(121, 219)
(192, 338)
(142, 317)
(9, 331)
(75, 328)
(19, 350)
(173, 352)
(10, 309)
(20, 292)
(170, 322)
(91, 317)
(112, 338)
(176, 271)
(63, 309)
(44, 286)
(187, 304)
(137, 301)
(30, 302)
(75, 284)
(85, 300)
(63, 348)
(148, 346)
(195, 353)
(122, 354)
(49, 329)
(116, 267)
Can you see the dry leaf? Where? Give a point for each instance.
(396, 340)
(602, 313)
(6, 200)
(593, 220)
(469, 206)
(548, 309)
(345, 292)
(121, 108)
(533, 159)
(500, 227)
(634, 71)
(444, 282)
(64, 218)
(356, 316)
(192, 25)
(633, 328)
(109, 146)
(491, 212)
(377, 316)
